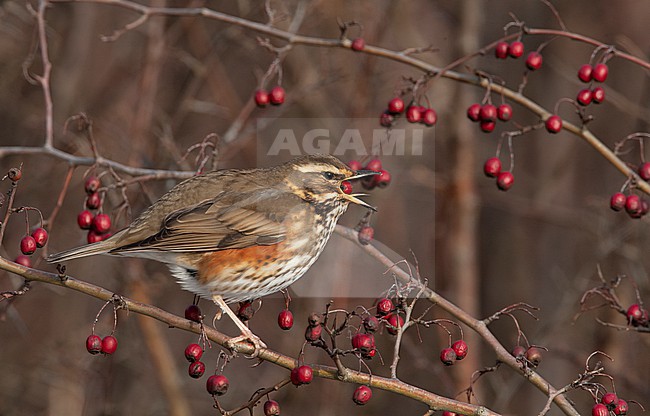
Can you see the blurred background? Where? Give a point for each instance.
(165, 86)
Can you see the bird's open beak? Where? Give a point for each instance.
(354, 197)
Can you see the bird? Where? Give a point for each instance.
(234, 235)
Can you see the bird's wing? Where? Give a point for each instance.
(232, 220)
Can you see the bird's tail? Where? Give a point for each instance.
(101, 247)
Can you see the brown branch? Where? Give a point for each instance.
(475, 324)
(430, 399)
(406, 59)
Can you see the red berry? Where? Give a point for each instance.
(366, 234)
(474, 111)
(109, 344)
(617, 201)
(27, 245)
(504, 112)
(413, 114)
(363, 342)
(302, 375)
(505, 180)
(362, 395)
(85, 219)
(534, 61)
(384, 306)
(644, 173)
(599, 73)
(101, 223)
(519, 352)
(374, 165)
(487, 126)
(429, 117)
(584, 97)
(501, 50)
(460, 348)
(599, 410)
(346, 187)
(196, 369)
(15, 174)
(368, 355)
(447, 356)
(40, 236)
(370, 323)
(358, 44)
(262, 98)
(276, 95)
(553, 124)
(271, 408)
(395, 322)
(621, 407)
(598, 95)
(23, 260)
(584, 73)
(516, 49)
(246, 311)
(92, 184)
(534, 355)
(396, 106)
(383, 179)
(94, 344)
(355, 165)
(313, 332)
(610, 400)
(93, 201)
(217, 384)
(488, 113)
(449, 413)
(193, 352)
(94, 237)
(492, 167)
(193, 313)
(386, 119)
(285, 319)
(632, 204)
(636, 315)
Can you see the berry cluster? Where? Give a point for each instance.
(634, 205)
(29, 244)
(515, 50)
(531, 355)
(610, 404)
(589, 73)
(456, 352)
(274, 97)
(369, 183)
(488, 114)
(98, 225)
(193, 354)
(106, 345)
(492, 169)
(414, 113)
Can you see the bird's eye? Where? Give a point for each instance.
(328, 175)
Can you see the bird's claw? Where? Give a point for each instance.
(257, 342)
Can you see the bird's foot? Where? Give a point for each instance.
(247, 336)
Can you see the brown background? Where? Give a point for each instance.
(164, 86)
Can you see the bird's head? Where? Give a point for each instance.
(318, 178)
